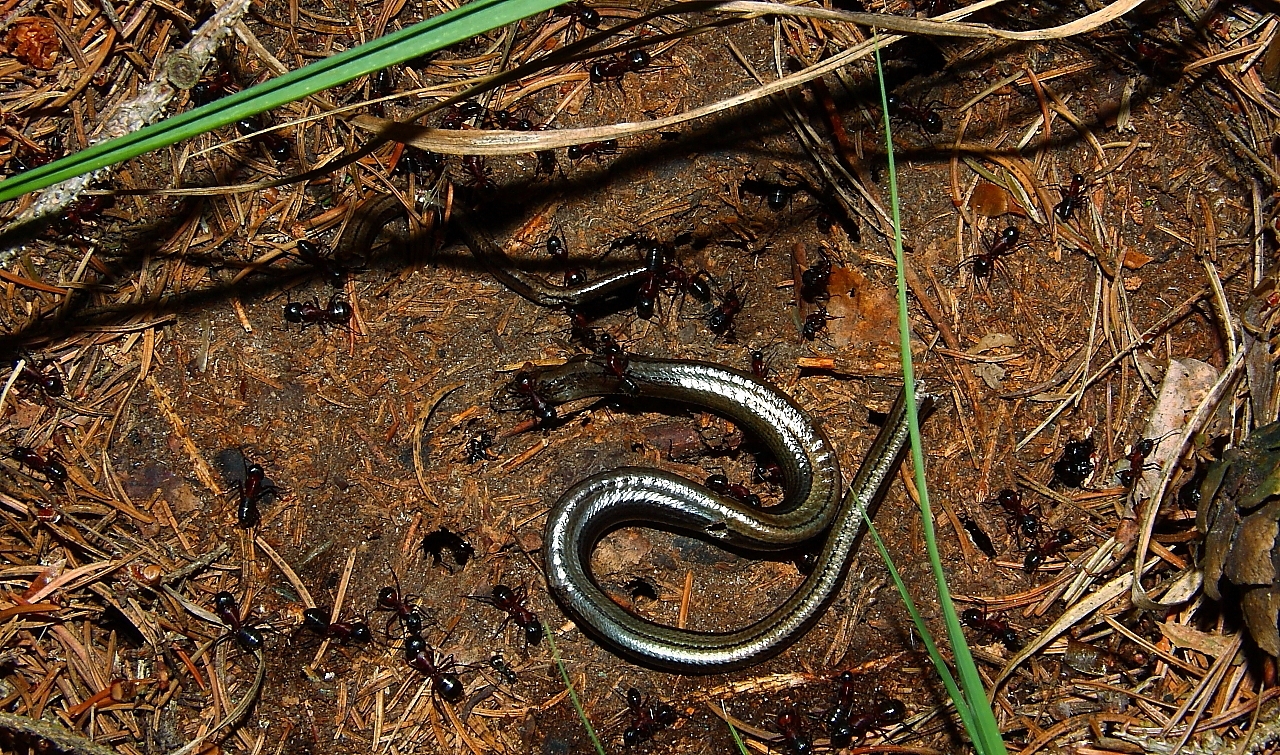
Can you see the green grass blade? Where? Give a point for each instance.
(427, 36)
(573, 695)
(737, 739)
(980, 721)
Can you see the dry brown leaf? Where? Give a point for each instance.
(1183, 636)
(1133, 259)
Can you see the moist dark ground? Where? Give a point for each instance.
(334, 416)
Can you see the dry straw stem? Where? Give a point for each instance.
(517, 142)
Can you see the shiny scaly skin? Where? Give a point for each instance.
(631, 495)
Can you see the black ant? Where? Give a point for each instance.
(430, 663)
(478, 448)
(436, 543)
(317, 620)
(1019, 516)
(51, 468)
(979, 537)
(582, 13)
(497, 663)
(993, 626)
(50, 382)
(275, 145)
(720, 321)
(985, 264)
(333, 274)
(719, 483)
(336, 313)
(253, 489)
(526, 385)
(613, 69)
(921, 115)
(596, 149)
(245, 635)
(409, 617)
(814, 323)
(647, 718)
(837, 718)
(1076, 463)
(512, 601)
(1046, 549)
(814, 280)
(1072, 198)
(793, 733)
(776, 195)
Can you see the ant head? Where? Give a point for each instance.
(360, 633)
(225, 602)
(932, 124)
(388, 597)
(845, 677)
(308, 249)
(634, 698)
(1009, 497)
(892, 711)
(556, 246)
(503, 594)
(315, 619)
(970, 616)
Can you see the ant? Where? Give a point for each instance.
(478, 448)
(512, 601)
(49, 382)
(793, 733)
(417, 161)
(1076, 463)
(474, 165)
(497, 663)
(616, 362)
(212, 89)
(245, 635)
(979, 537)
(1003, 245)
(436, 543)
(837, 718)
(720, 321)
(429, 662)
(614, 69)
(921, 115)
(410, 618)
(597, 149)
(317, 620)
(309, 253)
(647, 718)
(843, 726)
(1072, 198)
(253, 489)
(768, 472)
(1020, 516)
(456, 116)
(51, 468)
(527, 386)
(815, 323)
(759, 369)
(337, 312)
(275, 145)
(1046, 549)
(776, 195)
(814, 280)
(583, 14)
(993, 626)
(1137, 457)
(719, 483)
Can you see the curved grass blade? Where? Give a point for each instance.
(427, 36)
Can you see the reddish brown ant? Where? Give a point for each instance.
(814, 280)
(580, 12)
(793, 733)
(408, 616)
(593, 149)
(512, 601)
(923, 116)
(50, 382)
(334, 274)
(1072, 198)
(720, 321)
(843, 726)
(1020, 517)
(439, 669)
(253, 489)
(613, 69)
(51, 468)
(1137, 457)
(344, 632)
(647, 718)
(246, 635)
(336, 313)
(275, 145)
(526, 385)
(1045, 550)
(1003, 245)
(993, 626)
(719, 483)
(479, 173)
